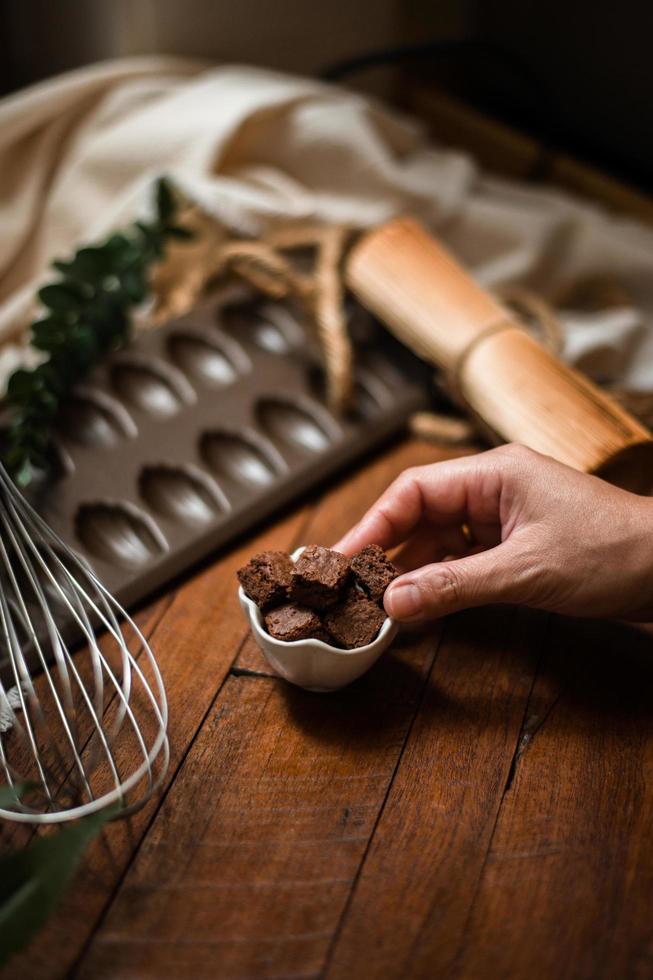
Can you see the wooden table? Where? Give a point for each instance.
(479, 805)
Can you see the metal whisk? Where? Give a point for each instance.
(78, 730)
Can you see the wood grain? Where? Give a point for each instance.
(195, 643)
(429, 848)
(571, 861)
(248, 867)
(335, 513)
(503, 831)
(478, 805)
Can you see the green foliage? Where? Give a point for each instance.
(32, 880)
(9, 795)
(87, 315)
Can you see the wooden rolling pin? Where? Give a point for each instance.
(495, 368)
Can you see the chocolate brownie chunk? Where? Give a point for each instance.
(266, 578)
(373, 571)
(355, 621)
(290, 622)
(318, 577)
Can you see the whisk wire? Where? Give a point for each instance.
(91, 716)
(64, 708)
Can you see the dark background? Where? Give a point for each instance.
(578, 74)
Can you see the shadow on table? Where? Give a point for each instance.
(599, 670)
(373, 709)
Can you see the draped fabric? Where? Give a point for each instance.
(252, 147)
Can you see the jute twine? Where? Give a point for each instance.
(268, 267)
(538, 317)
(277, 266)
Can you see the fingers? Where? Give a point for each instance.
(391, 519)
(497, 575)
(445, 493)
(429, 544)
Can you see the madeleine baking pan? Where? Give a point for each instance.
(204, 426)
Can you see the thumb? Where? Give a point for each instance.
(436, 590)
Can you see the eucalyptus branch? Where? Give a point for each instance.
(88, 315)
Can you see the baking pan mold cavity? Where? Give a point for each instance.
(119, 533)
(295, 425)
(60, 463)
(265, 325)
(242, 459)
(94, 419)
(151, 385)
(181, 493)
(206, 360)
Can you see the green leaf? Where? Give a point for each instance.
(179, 231)
(33, 880)
(9, 794)
(165, 201)
(48, 334)
(20, 386)
(87, 264)
(116, 244)
(134, 284)
(153, 239)
(89, 315)
(21, 468)
(84, 342)
(52, 373)
(61, 297)
(148, 232)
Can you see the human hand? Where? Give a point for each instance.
(510, 525)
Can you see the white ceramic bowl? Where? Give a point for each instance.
(313, 664)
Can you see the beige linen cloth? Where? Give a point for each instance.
(251, 147)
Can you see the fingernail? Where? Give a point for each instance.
(404, 601)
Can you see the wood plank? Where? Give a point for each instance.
(423, 866)
(196, 643)
(571, 862)
(304, 753)
(249, 865)
(250, 660)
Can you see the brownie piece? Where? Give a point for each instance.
(266, 578)
(318, 577)
(373, 571)
(290, 622)
(355, 621)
